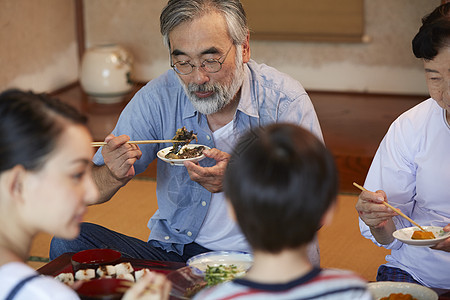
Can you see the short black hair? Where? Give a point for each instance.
(434, 34)
(30, 125)
(280, 180)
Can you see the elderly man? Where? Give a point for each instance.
(214, 89)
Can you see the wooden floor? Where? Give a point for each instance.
(353, 124)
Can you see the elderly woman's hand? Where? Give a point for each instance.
(371, 209)
(445, 244)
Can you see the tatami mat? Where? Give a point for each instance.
(341, 244)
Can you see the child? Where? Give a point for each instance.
(281, 184)
(45, 185)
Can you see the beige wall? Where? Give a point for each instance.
(38, 44)
(384, 64)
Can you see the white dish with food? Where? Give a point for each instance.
(180, 162)
(199, 263)
(382, 289)
(404, 235)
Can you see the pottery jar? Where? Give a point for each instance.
(105, 73)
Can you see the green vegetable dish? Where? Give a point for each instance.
(218, 274)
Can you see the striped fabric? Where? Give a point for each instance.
(317, 284)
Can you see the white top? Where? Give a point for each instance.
(219, 231)
(412, 165)
(39, 288)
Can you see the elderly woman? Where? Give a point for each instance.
(411, 169)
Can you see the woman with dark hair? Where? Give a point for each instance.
(411, 169)
(45, 186)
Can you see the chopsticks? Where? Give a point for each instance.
(391, 207)
(100, 144)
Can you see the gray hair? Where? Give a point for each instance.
(177, 12)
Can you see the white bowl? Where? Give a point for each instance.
(199, 263)
(179, 162)
(385, 288)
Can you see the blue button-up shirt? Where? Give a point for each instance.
(161, 107)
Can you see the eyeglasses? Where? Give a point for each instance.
(210, 65)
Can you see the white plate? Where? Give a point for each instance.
(405, 234)
(199, 263)
(385, 288)
(179, 162)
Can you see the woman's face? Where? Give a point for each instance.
(55, 197)
(437, 72)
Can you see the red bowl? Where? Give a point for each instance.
(93, 258)
(103, 288)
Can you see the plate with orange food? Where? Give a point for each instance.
(389, 290)
(415, 237)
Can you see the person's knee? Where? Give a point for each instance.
(60, 246)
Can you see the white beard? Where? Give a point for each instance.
(223, 93)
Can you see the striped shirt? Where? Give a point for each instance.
(317, 284)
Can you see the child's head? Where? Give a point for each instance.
(45, 164)
(280, 181)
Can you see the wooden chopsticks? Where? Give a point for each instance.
(391, 207)
(100, 144)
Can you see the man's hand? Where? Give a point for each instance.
(211, 178)
(120, 157)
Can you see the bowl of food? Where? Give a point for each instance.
(235, 263)
(389, 290)
(190, 152)
(408, 236)
(93, 258)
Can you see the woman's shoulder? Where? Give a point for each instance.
(39, 287)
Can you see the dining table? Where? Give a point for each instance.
(63, 264)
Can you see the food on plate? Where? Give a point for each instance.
(85, 274)
(183, 135)
(123, 268)
(186, 152)
(399, 296)
(422, 235)
(221, 273)
(66, 278)
(106, 271)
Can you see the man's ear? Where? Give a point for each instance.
(13, 182)
(246, 49)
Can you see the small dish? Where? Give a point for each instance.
(104, 289)
(179, 162)
(185, 284)
(93, 258)
(199, 263)
(382, 289)
(404, 235)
